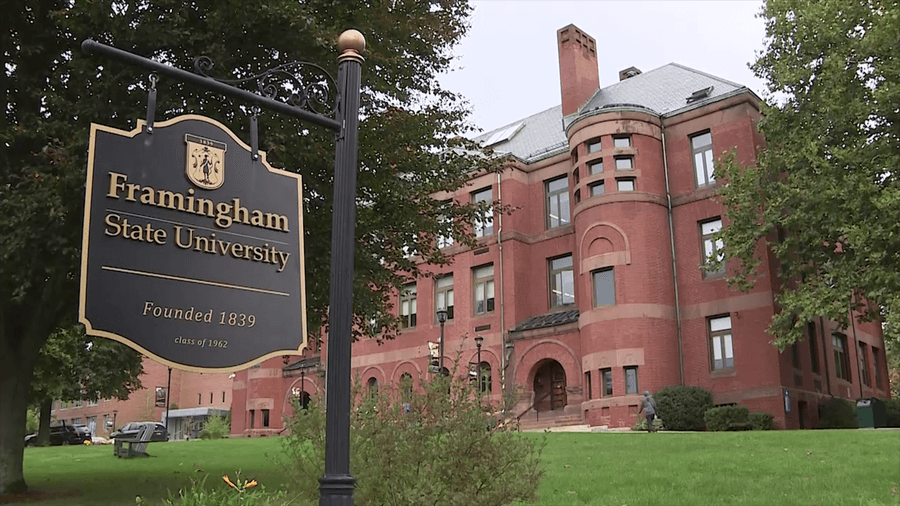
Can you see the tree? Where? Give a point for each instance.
(824, 195)
(75, 367)
(410, 146)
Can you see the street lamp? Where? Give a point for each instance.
(442, 317)
(115, 412)
(478, 341)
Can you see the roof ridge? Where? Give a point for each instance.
(711, 76)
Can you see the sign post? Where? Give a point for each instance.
(153, 212)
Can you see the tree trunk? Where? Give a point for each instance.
(14, 385)
(43, 437)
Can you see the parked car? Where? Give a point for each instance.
(62, 434)
(83, 430)
(132, 429)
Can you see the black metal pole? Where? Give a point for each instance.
(168, 395)
(479, 369)
(336, 486)
(441, 351)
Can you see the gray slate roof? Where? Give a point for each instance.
(663, 90)
(548, 320)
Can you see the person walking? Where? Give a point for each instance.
(648, 407)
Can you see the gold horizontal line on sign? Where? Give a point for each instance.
(191, 280)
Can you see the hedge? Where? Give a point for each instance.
(683, 407)
(724, 418)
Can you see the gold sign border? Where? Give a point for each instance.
(82, 318)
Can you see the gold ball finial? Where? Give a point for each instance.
(351, 45)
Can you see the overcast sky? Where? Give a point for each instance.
(508, 65)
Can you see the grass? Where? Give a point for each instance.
(804, 468)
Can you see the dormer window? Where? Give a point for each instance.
(699, 95)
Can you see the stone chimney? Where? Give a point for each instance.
(579, 77)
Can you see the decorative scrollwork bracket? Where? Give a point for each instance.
(299, 84)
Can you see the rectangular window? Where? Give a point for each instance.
(624, 163)
(795, 355)
(604, 287)
(876, 365)
(596, 167)
(444, 241)
(587, 383)
(622, 142)
(597, 189)
(210, 397)
(841, 360)
(265, 418)
(863, 355)
(485, 226)
(625, 184)
(575, 156)
(223, 397)
(557, 192)
(721, 348)
(712, 249)
(79, 403)
(594, 145)
(562, 281)
(631, 380)
(483, 279)
(92, 403)
(813, 346)
(252, 419)
(199, 399)
(576, 176)
(701, 147)
(606, 382)
(577, 196)
(443, 296)
(408, 306)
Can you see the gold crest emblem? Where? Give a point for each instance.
(205, 165)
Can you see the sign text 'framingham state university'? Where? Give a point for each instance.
(193, 251)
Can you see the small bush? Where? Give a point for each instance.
(838, 414)
(420, 447)
(892, 406)
(641, 424)
(683, 407)
(725, 418)
(762, 421)
(216, 427)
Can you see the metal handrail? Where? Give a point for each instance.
(533, 404)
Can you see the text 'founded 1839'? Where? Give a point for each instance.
(193, 251)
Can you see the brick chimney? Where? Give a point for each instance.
(579, 77)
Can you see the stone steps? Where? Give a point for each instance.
(549, 421)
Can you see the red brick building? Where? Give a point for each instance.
(193, 396)
(591, 291)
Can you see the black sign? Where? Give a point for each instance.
(193, 250)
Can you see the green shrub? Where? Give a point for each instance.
(725, 418)
(683, 407)
(446, 449)
(216, 427)
(762, 421)
(838, 414)
(33, 420)
(892, 406)
(641, 425)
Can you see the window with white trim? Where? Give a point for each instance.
(721, 346)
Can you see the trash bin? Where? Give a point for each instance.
(871, 412)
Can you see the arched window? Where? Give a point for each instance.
(372, 386)
(485, 378)
(406, 386)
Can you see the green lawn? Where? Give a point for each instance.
(824, 468)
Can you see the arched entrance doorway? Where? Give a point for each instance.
(549, 386)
